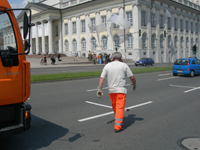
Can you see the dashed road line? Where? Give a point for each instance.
(167, 78)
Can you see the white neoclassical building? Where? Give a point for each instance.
(162, 29)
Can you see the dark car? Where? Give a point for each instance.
(144, 62)
(188, 66)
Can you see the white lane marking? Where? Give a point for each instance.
(192, 89)
(98, 104)
(167, 78)
(164, 74)
(105, 114)
(102, 88)
(182, 86)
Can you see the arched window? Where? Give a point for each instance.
(74, 43)
(169, 41)
(144, 39)
(192, 42)
(104, 42)
(187, 42)
(93, 43)
(66, 45)
(176, 41)
(153, 41)
(83, 44)
(129, 40)
(116, 41)
(196, 42)
(181, 42)
(161, 41)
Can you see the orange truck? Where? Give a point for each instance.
(15, 116)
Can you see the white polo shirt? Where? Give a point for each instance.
(116, 73)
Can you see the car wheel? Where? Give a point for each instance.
(151, 64)
(144, 64)
(135, 64)
(192, 73)
(174, 74)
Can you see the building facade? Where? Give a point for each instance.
(161, 29)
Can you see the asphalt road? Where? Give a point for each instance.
(84, 68)
(67, 115)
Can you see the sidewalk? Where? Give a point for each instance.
(66, 62)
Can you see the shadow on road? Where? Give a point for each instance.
(41, 134)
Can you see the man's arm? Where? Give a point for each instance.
(101, 82)
(132, 78)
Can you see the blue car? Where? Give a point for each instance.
(144, 62)
(187, 66)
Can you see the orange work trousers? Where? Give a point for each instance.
(118, 103)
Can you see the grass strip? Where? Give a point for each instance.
(60, 76)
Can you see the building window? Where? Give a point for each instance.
(8, 39)
(161, 21)
(161, 41)
(104, 42)
(196, 27)
(153, 41)
(74, 43)
(115, 25)
(66, 28)
(129, 17)
(144, 39)
(93, 43)
(130, 41)
(74, 27)
(143, 19)
(92, 21)
(83, 44)
(103, 20)
(5, 40)
(196, 42)
(181, 42)
(176, 41)
(153, 20)
(181, 25)
(56, 30)
(66, 45)
(192, 42)
(169, 23)
(82, 25)
(186, 26)
(175, 24)
(12, 39)
(116, 41)
(187, 42)
(192, 27)
(169, 41)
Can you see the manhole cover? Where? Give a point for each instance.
(190, 143)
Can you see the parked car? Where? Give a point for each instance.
(144, 61)
(189, 66)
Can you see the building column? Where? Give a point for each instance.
(109, 40)
(70, 35)
(36, 38)
(43, 38)
(149, 50)
(184, 38)
(60, 36)
(137, 52)
(31, 43)
(172, 54)
(97, 18)
(158, 52)
(189, 36)
(166, 53)
(78, 33)
(50, 36)
(178, 50)
(87, 33)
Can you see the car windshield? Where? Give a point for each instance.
(181, 62)
(142, 59)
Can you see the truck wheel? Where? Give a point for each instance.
(192, 73)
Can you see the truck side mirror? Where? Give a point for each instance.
(25, 25)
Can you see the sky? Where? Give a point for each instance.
(19, 3)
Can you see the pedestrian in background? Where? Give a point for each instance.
(115, 72)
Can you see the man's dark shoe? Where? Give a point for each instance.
(117, 131)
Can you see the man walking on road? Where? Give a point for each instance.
(116, 73)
